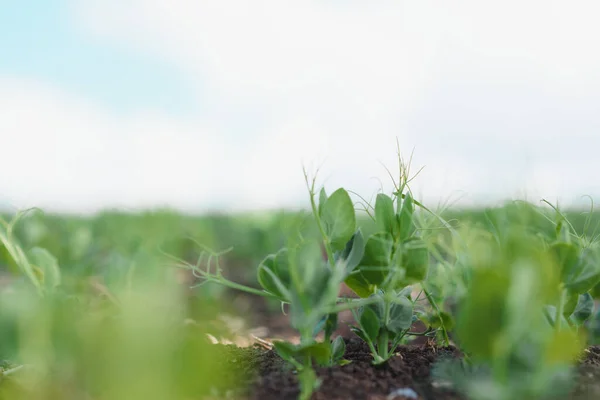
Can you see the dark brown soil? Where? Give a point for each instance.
(588, 382)
(267, 377)
(360, 379)
(264, 376)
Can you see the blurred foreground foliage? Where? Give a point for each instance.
(88, 309)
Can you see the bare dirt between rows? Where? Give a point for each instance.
(259, 374)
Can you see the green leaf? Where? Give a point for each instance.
(584, 309)
(585, 274)
(401, 315)
(550, 313)
(322, 200)
(312, 295)
(566, 255)
(271, 283)
(384, 214)
(286, 351)
(338, 349)
(482, 314)
(415, 260)
(270, 280)
(319, 327)
(375, 263)
(319, 352)
(331, 323)
(370, 323)
(405, 219)
(353, 252)
(433, 320)
(359, 284)
(339, 219)
(281, 266)
(595, 292)
(361, 334)
(570, 304)
(306, 263)
(594, 327)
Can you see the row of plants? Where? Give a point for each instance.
(515, 291)
(105, 244)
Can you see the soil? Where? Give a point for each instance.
(261, 375)
(266, 377)
(588, 382)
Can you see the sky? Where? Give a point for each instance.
(201, 105)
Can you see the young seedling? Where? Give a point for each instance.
(298, 276)
(395, 257)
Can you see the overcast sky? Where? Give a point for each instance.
(199, 104)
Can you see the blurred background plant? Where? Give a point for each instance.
(527, 277)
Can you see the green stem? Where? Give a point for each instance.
(418, 333)
(383, 344)
(11, 370)
(396, 342)
(439, 313)
(237, 286)
(384, 338)
(352, 305)
(376, 357)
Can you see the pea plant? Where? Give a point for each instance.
(578, 261)
(379, 270)
(299, 277)
(394, 258)
(527, 296)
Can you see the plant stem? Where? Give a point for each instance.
(11, 370)
(384, 338)
(382, 346)
(237, 286)
(425, 333)
(439, 313)
(352, 305)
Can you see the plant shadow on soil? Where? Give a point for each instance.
(261, 374)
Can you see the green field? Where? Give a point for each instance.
(91, 306)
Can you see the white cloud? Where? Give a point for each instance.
(497, 99)
(62, 153)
